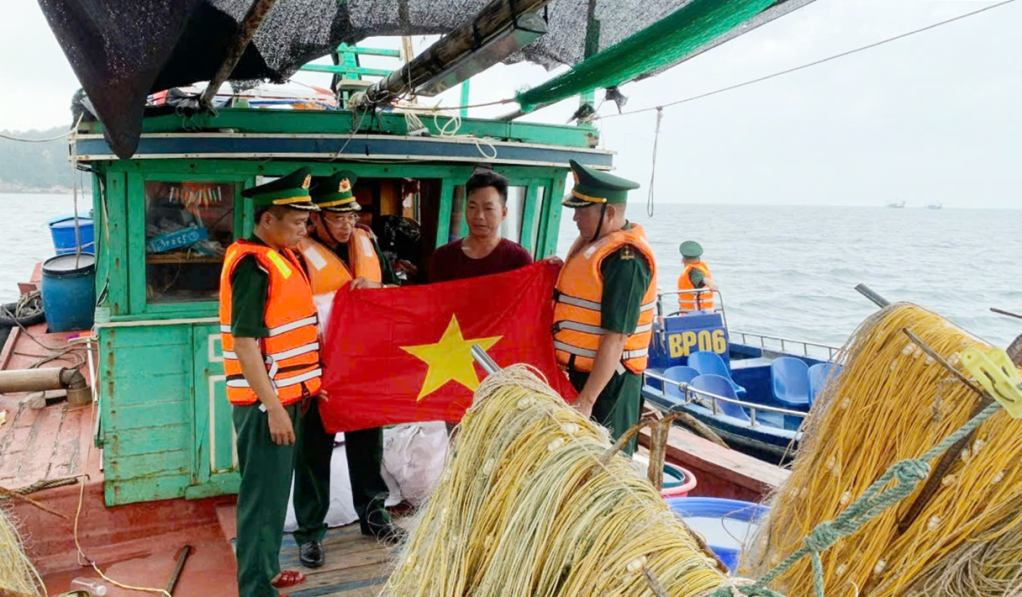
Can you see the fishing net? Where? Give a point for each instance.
(122, 51)
(892, 402)
(17, 575)
(525, 507)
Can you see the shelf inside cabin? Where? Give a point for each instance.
(188, 227)
(182, 257)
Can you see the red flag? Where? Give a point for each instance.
(399, 355)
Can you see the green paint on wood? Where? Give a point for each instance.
(337, 69)
(168, 462)
(135, 416)
(528, 239)
(446, 206)
(296, 122)
(112, 241)
(146, 489)
(149, 440)
(222, 484)
(551, 224)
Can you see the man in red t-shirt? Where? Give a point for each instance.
(483, 251)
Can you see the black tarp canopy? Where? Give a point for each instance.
(123, 50)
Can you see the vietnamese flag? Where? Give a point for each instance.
(400, 355)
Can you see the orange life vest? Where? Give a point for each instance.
(327, 273)
(694, 301)
(291, 351)
(577, 309)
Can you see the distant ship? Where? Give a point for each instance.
(935, 206)
(896, 205)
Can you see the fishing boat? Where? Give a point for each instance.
(140, 460)
(752, 389)
(935, 206)
(896, 205)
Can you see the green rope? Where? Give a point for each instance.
(873, 502)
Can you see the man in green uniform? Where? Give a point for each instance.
(694, 275)
(608, 391)
(334, 227)
(265, 429)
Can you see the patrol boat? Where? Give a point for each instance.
(148, 466)
(753, 390)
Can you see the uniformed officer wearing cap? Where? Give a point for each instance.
(695, 276)
(271, 361)
(605, 302)
(335, 227)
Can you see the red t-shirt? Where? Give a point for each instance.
(450, 262)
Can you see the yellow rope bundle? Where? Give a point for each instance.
(892, 402)
(17, 575)
(524, 509)
(979, 568)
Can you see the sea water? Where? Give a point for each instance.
(791, 271)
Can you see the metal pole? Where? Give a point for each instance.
(246, 31)
(489, 365)
(490, 21)
(1003, 312)
(867, 292)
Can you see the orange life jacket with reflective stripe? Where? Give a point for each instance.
(577, 308)
(694, 301)
(327, 273)
(291, 351)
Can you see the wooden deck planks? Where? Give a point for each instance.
(45, 444)
(356, 566)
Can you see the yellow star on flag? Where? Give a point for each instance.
(450, 359)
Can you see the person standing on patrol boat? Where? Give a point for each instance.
(605, 300)
(271, 360)
(696, 275)
(364, 265)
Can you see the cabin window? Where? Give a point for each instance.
(511, 228)
(188, 227)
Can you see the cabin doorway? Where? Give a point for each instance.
(403, 214)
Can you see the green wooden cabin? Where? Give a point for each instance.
(165, 425)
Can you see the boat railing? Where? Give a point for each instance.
(765, 342)
(718, 302)
(692, 394)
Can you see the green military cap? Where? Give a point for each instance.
(690, 248)
(593, 187)
(335, 193)
(287, 191)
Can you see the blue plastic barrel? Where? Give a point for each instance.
(733, 516)
(62, 229)
(69, 292)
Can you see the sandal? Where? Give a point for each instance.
(288, 578)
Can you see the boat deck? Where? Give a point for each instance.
(47, 444)
(356, 566)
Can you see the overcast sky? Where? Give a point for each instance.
(931, 118)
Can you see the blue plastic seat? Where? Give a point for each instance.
(721, 386)
(708, 363)
(789, 379)
(818, 375)
(679, 373)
